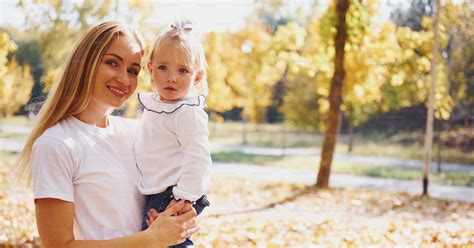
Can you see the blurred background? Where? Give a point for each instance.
(270, 66)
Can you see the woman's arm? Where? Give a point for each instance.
(55, 220)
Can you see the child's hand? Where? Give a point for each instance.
(187, 206)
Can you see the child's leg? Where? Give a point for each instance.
(157, 201)
(200, 204)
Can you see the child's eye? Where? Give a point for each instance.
(162, 67)
(183, 70)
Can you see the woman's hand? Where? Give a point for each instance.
(168, 228)
(153, 214)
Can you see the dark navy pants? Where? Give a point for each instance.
(161, 200)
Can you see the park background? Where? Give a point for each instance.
(270, 70)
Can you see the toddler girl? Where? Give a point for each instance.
(172, 147)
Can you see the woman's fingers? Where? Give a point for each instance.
(193, 230)
(172, 210)
(191, 223)
(148, 222)
(153, 213)
(172, 203)
(152, 216)
(187, 216)
(187, 206)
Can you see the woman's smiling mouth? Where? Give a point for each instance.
(117, 92)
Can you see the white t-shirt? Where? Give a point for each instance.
(95, 169)
(172, 147)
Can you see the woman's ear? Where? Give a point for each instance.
(150, 67)
(198, 77)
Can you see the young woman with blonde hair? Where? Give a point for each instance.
(80, 158)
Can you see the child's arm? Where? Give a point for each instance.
(192, 133)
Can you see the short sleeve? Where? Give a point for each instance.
(52, 170)
(129, 127)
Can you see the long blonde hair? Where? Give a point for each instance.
(72, 93)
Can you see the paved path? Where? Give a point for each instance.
(358, 159)
(11, 145)
(309, 177)
(16, 145)
(341, 180)
(14, 129)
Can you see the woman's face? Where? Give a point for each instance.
(117, 74)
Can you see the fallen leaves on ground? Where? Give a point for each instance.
(250, 213)
(330, 218)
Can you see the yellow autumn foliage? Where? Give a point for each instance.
(15, 80)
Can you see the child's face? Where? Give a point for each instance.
(172, 74)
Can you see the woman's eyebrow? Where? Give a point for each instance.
(115, 55)
(121, 60)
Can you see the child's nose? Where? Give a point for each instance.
(171, 78)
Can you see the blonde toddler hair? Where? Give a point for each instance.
(182, 36)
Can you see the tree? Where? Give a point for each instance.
(238, 79)
(412, 17)
(368, 54)
(15, 80)
(335, 96)
(430, 112)
(58, 24)
(459, 22)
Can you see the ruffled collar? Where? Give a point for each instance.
(150, 102)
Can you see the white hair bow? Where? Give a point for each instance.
(180, 24)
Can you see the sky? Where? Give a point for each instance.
(211, 15)
(222, 15)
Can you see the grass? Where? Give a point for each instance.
(16, 121)
(410, 151)
(311, 163)
(403, 145)
(276, 135)
(7, 155)
(9, 135)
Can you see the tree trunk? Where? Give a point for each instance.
(430, 114)
(350, 144)
(440, 146)
(335, 96)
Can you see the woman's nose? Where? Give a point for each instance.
(123, 78)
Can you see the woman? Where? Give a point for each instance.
(81, 158)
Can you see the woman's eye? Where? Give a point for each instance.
(112, 63)
(134, 71)
(162, 67)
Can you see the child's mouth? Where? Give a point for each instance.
(170, 89)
